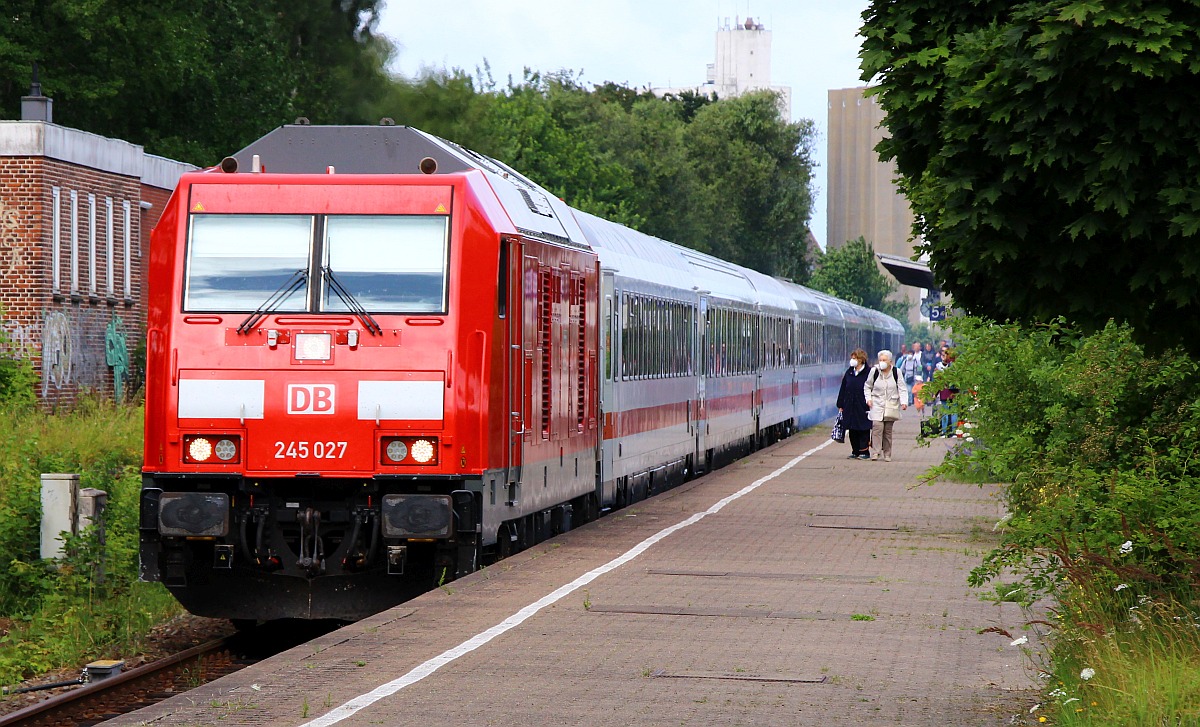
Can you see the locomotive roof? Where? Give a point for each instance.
(310, 149)
(534, 211)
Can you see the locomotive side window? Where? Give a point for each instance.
(387, 263)
(235, 262)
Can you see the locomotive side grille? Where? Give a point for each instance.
(579, 308)
(546, 301)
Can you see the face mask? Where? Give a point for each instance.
(853, 363)
(883, 365)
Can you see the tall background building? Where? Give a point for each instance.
(742, 63)
(862, 198)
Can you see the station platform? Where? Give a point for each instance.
(794, 587)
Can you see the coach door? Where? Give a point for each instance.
(512, 256)
(793, 363)
(703, 358)
(608, 408)
(756, 362)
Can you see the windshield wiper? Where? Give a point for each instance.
(291, 285)
(352, 303)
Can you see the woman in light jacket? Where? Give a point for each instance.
(886, 396)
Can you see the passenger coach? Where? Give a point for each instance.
(376, 358)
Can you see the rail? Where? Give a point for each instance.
(97, 701)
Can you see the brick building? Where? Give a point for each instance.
(76, 210)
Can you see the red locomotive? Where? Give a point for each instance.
(376, 358)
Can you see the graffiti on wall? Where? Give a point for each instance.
(116, 355)
(56, 352)
(12, 251)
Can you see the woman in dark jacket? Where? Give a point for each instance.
(853, 405)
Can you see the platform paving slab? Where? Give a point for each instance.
(833, 594)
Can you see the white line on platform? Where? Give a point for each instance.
(339, 713)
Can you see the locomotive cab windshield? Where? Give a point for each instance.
(377, 263)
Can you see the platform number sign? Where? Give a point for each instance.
(937, 313)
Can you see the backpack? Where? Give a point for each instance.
(875, 371)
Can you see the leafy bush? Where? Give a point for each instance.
(1099, 447)
(89, 604)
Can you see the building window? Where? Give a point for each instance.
(92, 243)
(55, 238)
(128, 245)
(109, 286)
(74, 241)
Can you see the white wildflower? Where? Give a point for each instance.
(1072, 699)
(1019, 641)
(1121, 587)
(1087, 673)
(1060, 692)
(1126, 547)
(1034, 708)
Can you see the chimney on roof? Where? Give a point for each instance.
(35, 106)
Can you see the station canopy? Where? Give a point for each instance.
(908, 272)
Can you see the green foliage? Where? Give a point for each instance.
(727, 177)
(193, 81)
(17, 377)
(1050, 151)
(851, 272)
(1098, 445)
(90, 604)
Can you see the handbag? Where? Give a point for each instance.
(838, 433)
(891, 412)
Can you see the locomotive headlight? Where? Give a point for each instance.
(313, 346)
(422, 450)
(397, 450)
(200, 450)
(408, 451)
(225, 450)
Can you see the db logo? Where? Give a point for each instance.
(310, 398)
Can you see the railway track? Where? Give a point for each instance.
(97, 701)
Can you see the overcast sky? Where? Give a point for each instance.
(644, 43)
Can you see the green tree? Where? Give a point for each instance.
(755, 171)
(726, 177)
(193, 81)
(851, 273)
(1050, 151)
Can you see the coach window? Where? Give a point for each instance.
(238, 262)
(387, 263)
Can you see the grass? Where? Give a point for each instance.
(1120, 659)
(1008, 593)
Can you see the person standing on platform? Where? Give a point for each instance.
(853, 405)
(929, 359)
(886, 397)
(912, 369)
